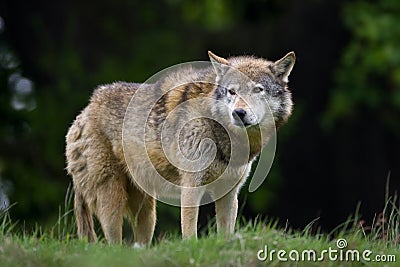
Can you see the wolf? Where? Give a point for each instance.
(107, 177)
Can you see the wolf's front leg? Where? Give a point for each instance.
(226, 211)
(190, 201)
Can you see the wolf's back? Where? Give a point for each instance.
(98, 129)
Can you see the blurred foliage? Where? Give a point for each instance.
(214, 15)
(369, 73)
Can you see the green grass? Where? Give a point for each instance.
(60, 247)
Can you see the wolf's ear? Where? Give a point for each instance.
(220, 64)
(282, 67)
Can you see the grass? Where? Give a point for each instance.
(59, 246)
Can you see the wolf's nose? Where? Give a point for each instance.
(240, 113)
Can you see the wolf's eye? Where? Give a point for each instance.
(259, 88)
(232, 92)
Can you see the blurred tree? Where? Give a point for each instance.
(16, 102)
(369, 73)
(363, 111)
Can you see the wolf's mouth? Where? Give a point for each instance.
(241, 123)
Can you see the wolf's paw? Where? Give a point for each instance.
(137, 245)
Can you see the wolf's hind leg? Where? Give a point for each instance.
(142, 214)
(84, 218)
(111, 204)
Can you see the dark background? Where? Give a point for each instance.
(338, 149)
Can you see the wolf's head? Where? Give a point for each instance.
(253, 88)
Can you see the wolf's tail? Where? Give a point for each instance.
(77, 168)
(84, 219)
